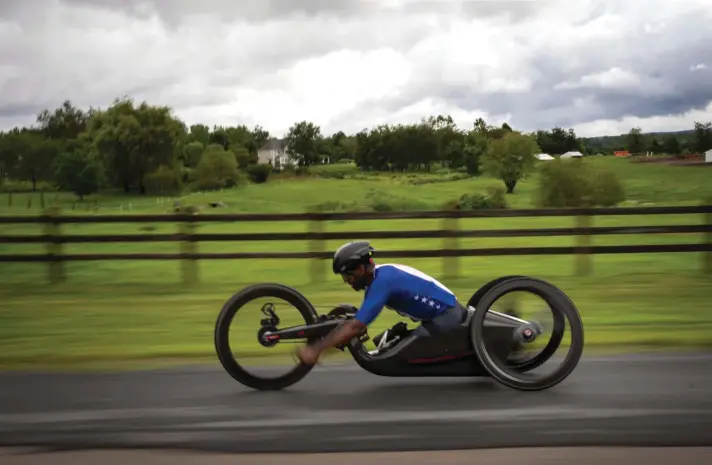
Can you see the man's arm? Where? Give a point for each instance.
(340, 335)
(371, 307)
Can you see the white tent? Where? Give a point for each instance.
(708, 156)
(543, 156)
(572, 154)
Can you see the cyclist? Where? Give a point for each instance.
(401, 288)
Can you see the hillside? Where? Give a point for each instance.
(685, 139)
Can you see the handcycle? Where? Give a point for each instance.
(478, 347)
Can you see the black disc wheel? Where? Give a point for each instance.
(498, 335)
(254, 333)
(518, 359)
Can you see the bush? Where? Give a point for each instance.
(13, 185)
(259, 173)
(164, 180)
(334, 206)
(494, 200)
(374, 201)
(335, 171)
(217, 169)
(419, 179)
(576, 183)
(380, 201)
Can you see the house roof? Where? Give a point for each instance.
(274, 144)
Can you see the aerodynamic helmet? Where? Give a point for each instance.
(350, 255)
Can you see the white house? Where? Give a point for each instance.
(572, 154)
(272, 153)
(708, 156)
(543, 156)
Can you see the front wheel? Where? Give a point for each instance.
(511, 375)
(228, 312)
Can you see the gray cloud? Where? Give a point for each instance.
(176, 12)
(349, 64)
(179, 11)
(640, 73)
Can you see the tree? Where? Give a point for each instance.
(340, 146)
(33, 156)
(671, 146)
(635, 143)
(164, 180)
(9, 154)
(243, 156)
(302, 143)
(511, 157)
(449, 138)
(217, 169)
(64, 123)
(558, 141)
(199, 133)
(656, 146)
(135, 140)
(259, 137)
(576, 183)
(79, 172)
(142, 147)
(191, 153)
(703, 136)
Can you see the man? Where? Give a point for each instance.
(401, 288)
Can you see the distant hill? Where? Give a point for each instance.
(654, 139)
(663, 134)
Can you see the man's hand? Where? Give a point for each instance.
(309, 355)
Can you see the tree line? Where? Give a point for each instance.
(695, 140)
(138, 147)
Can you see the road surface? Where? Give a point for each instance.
(635, 400)
(536, 456)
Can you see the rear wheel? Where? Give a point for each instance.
(222, 331)
(517, 360)
(477, 296)
(516, 374)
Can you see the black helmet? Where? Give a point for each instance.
(351, 255)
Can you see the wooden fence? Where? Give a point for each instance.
(450, 232)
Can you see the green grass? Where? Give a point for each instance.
(123, 312)
(648, 183)
(115, 322)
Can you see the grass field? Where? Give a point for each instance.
(123, 312)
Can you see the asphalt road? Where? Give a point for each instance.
(624, 400)
(532, 456)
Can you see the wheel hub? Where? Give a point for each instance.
(528, 333)
(263, 336)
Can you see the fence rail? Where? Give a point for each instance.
(428, 214)
(450, 231)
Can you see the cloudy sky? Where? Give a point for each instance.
(600, 67)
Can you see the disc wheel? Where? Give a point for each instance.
(514, 375)
(559, 326)
(222, 343)
(557, 335)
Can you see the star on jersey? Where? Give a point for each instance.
(428, 301)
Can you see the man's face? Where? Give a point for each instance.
(355, 278)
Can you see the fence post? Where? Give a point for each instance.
(189, 265)
(583, 244)
(52, 228)
(316, 265)
(707, 256)
(451, 265)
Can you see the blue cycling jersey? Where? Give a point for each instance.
(405, 290)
